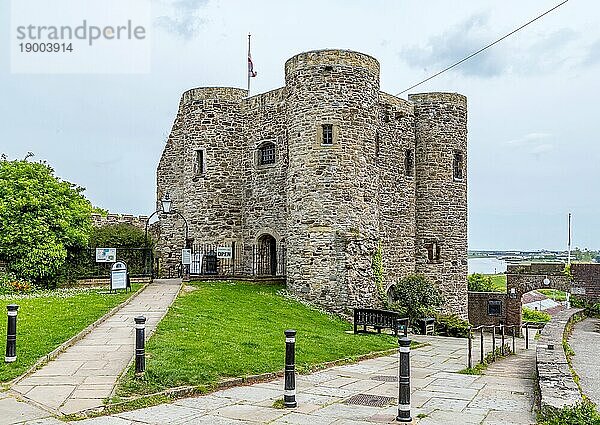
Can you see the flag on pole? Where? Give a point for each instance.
(251, 71)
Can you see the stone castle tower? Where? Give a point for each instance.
(332, 169)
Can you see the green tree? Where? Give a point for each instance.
(480, 283)
(42, 218)
(416, 297)
(119, 236)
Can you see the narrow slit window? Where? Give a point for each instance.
(458, 165)
(433, 252)
(327, 134)
(266, 154)
(199, 163)
(409, 163)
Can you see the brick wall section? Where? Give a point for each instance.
(587, 276)
(331, 206)
(478, 308)
(557, 388)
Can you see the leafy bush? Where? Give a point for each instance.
(530, 315)
(583, 413)
(416, 297)
(480, 283)
(42, 218)
(10, 284)
(451, 325)
(118, 236)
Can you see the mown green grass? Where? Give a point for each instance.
(235, 329)
(46, 319)
(498, 282)
(554, 294)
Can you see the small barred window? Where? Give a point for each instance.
(327, 134)
(266, 154)
(199, 163)
(433, 252)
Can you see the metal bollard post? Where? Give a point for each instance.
(481, 334)
(11, 334)
(140, 354)
(470, 355)
(289, 393)
(404, 381)
(526, 336)
(513, 338)
(502, 339)
(494, 342)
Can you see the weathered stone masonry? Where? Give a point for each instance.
(386, 176)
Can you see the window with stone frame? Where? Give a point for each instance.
(199, 164)
(409, 163)
(433, 252)
(327, 134)
(494, 308)
(266, 153)
(458, 165)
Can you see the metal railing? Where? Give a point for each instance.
(503, 334)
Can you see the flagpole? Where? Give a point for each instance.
(248, 71)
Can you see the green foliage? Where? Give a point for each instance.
(378, 272)
(42, 218)
(416, 297)
(451, 325)
(195, 345)
(97, 210)
(480, 283)
(10, 284)
(117, 236)
(537, 316)
(567, 272)
(583, 413)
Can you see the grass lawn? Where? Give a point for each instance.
(46, 319)
(499, 282)
(233, 329)
(554, 293)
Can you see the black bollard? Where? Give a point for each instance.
(404, 381)
(11, 334)
(289, 389)
(140, 354)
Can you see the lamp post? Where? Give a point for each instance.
(166, 204)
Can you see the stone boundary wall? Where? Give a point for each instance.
(478, 308)
(555, 380)
(137, 221)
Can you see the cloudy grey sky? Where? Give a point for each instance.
(534, 152)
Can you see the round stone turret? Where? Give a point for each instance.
(441, 194)
(332, 180)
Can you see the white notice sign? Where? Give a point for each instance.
(186, 257)
(224, 252)
(106, 255)
(118, 276)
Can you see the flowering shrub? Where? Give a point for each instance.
(10, 284)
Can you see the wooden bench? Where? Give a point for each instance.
(379, 319)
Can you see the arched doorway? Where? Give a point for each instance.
(267, 255)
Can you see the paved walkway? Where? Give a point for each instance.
(439, 396)
(85, 374)
(585, 342)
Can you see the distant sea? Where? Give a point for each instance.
(486, 265)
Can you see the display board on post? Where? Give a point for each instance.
(119, 277)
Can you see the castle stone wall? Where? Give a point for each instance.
(330, 205)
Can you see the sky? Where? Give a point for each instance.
(533, 148)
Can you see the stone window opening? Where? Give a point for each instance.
(327, 134)
(376, 145)
(199, 163)
(266, 154)
(433, 252)
(494, 308)
(458, 165)
(409, 163)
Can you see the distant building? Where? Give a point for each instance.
(318, 175)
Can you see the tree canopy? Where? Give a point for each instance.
(42, 218)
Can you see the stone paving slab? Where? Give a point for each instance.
(85, 374)
(439, 393)
(585, 342)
